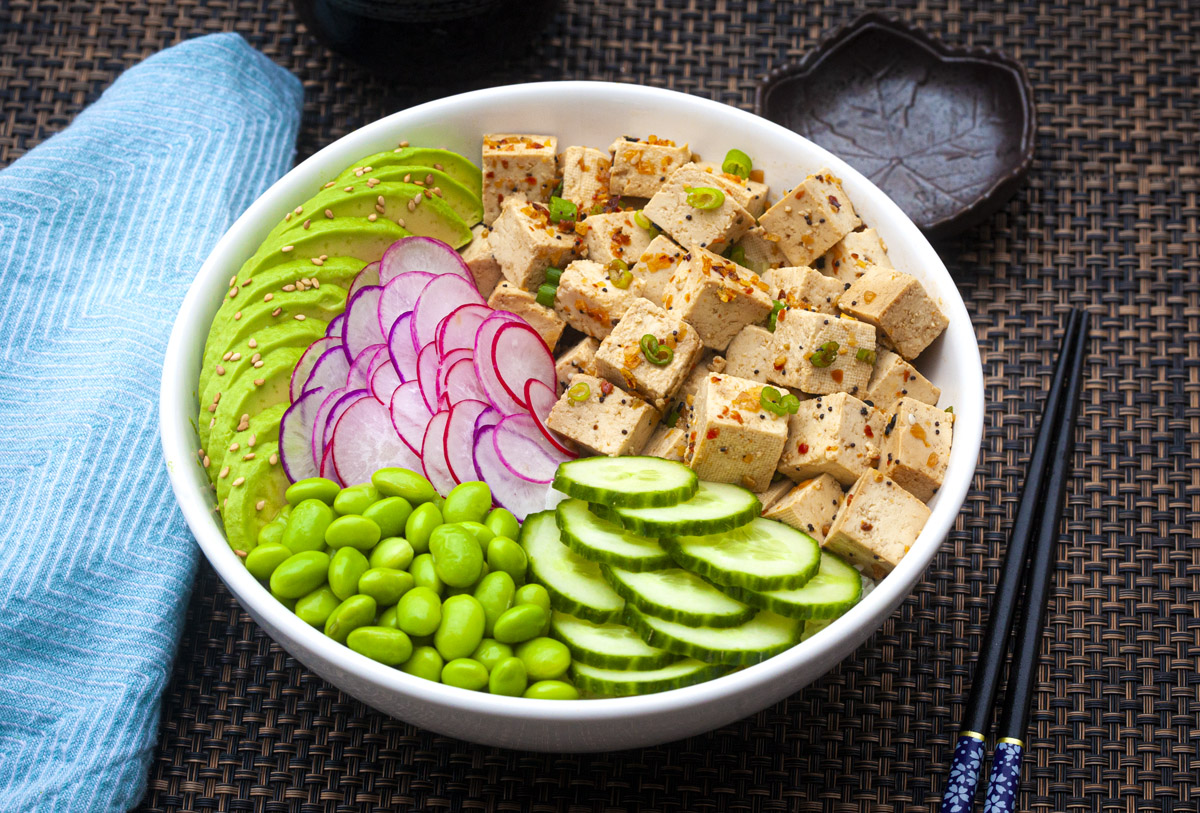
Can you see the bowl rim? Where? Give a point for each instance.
(177, 408)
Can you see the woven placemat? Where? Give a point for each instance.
(1109, 219)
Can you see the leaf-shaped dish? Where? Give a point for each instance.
(947, 134)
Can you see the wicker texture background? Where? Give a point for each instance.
(1109, 219)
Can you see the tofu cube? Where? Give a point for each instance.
(689, 393)
(898, 305)
(517, 167)
(609, 421)
(733, 439)
(548, 324)
(481, 261)
(751, 194)
(893, 378)
(655, 266)
(615, 236)
(877, 524)
(667, 442)
(802, 287)
(525, 243)
(716, 229)
(588, 300)
(853, 255)
(810, 218)
(799, 334)
(761, 252)
(622, 361)
(640, 168)
(774, 493)
(749, 354)
(584, 173)
(916, 447)
(810, 506)
(716, 296)
(837, 435)
(579, 359)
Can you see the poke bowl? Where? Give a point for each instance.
(596, 114)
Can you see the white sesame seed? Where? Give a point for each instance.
(233, 447)
(268, 297)
(224, 473)
(348, 189)
(220, 370)
(286, 249)
(403, 144)
(227, 356)
(289, 287)
(233, 281)
(299, 210)
(238, 482)
(206, 462)
(317, 261)
(258, 382)
(236, 357)
(372, 217)
(329, 214)
(237, 316)
(299, 317)
(277, 311)
(260, 505)
(253, 342)
(273, 459)
(258, 364)
(233, 292)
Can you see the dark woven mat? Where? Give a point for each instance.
(1109, 219)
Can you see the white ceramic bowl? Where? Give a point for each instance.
(590, 113)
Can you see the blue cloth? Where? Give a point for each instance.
(102, 229)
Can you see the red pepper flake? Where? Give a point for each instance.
(868, 432)
(712, 433)
(529, 179)
(606, 387)
(834, 203)
(802, 448)
(837, 376)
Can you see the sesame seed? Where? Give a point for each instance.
(256, 357)
(286, 249)
(268, 297)
(299, 317)
(217, 398)
(400, 220)
(331, 183)
(236, 357)
(317, 261)
(379, 201)
(224, 473)
(329, 214)
(260, 505)
(289, 288)
(307, 223)
(258, 364)
(237, 316)
(438, 167)
(428, 179)
(273, 459)
(324, 256)
(403, 143)
(299, 210)
(277, 311)
(253, 342)
(258, 382)
(428, 193)
(412, 206)
(241, 554)
(252, 440)
(233, 292)
(372, 217)
(233, 281)
(220, 370)
(348, 189)
(227, 356)
(233, 447)
(206, 462)
(316, 283)
(238, 482)
(287, 217)
(407, 177)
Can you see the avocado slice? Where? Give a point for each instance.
(347, 237)
(274, 336)
(451, 163)
(264, 429)
(462, 200)
(264, 485)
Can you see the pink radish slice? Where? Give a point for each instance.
(401, 350)
(421, 254)
(460, 439)
(327, 469)
(364, 442)
(317, 441)
(441, 296)
(520, 355)
(512, 492)
(459, 327)
(345, 402)
(330, 370)
(335, 326)
(489, 417)
(485, 366)
(399, 296)
(368, 276)
(427, 364)
(356, 377)
(362, 321)
(541, 400)
(383, 381)
(410, 415)
(525, 451)
(462, 384)
(295, 436)
(433, 454)
(307, 362)
(444, 365)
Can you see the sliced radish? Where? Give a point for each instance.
(444, 365)
(421, 254)
(344, 403)
(512, 492)
(356, 377)
(399, 296)
(541, 400)
(295, 436)
(401, 350)
(441, 296)
(410, 415)
(427, 365)
(335, 327)
(330, 370)
(489, 417)
(369, 275)
(307, 362)
(384, 381)
(362, 321)
(459, 327)
(525, 451)
(364, 442)
(485, 365)
(460, 439)
(317, 441)
(462, 384)
(327, 469)
(433, 454)
(520, 356)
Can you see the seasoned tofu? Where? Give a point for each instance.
(799, 360)
(916, 447)
(655, 266)
(810, 506)
(761, 251)
(608, 421)
(835, 434)
(810, 218)
(877, 524)
(517, 167)
(715, 229)
(897, 304)
(667, 442)
(893, 378)
(548, 324)
(615, 236)
(802, 287)
(584, 173)
(579, 359)
(853, 255)
(588, 300)
(622, 360)
(640, 168)
(749, 354)
(774, 493)
(525, 243)
(752, 195)
(481, 261)
(732, 439)
(717, 297)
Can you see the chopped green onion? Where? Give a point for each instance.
(619, 273)
(597, 209)
(772, 320)
(561, 210)
(546, 294)
(950, 409)
(553, 275)
(865, 356)
(557, 193)
(825, 355)
(643, 222)
(579, 392)
(775, 402)
(738, 255)
(705, 198)
(672, 416)
(655, 353)
(737, 163)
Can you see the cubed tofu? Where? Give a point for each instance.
(801, 333)
(802, 287)
(615, 236)
(622, 361)
(667, 442)
(525, 243)
(853, 255)
(588, 300)
(640, 168)
(654, 268)
(716, 296)
(810, 506)
(709, 362)
(877, 524)
(898, 305)
(774, 493)
(752, 195)
(916, 447)
(761, 251)
(716, 229)
(548, 324)
(893, 378)
(517, 167)
(810, 218)
(579, 359)
(481, 261)
(749, 354)
(584, 173)
(609, 421)
(733, 439)
(835, 434)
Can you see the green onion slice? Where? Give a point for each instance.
(553, 275)
(865, 355)
(773, 319)
(825, 355)
(561, 209)
(738, 255)
(579, 392)
(775, 402)
(619, 273)
(545, 295)
(705, 198)
(643, 222)
(656, 353)
(737, 163)
(950, 409)
(672, 416)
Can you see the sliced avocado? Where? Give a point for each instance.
(263, 430)
(451, 163)
(274, 336)
(347, 237)
(462, 200)
(264, 485)
(335, 270)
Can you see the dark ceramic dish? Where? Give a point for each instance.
(947, 134)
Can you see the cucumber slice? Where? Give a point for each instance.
(764, 555)
(835, 589)
(602, 541)
(811, 628)
(607, 646)
(622, 683)
(574, 584)
(759, 638)
(714, 507)
(627, 481)
(677, 595)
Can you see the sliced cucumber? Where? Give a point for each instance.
(835, 589)
(811, 628)
(677, 595)
(607, 646)
(574, 584)
(763, 555)
(759, 638)
(602, 541)
(714, 507)
(626, 481)
(622, 683)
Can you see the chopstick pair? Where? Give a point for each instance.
(1026, 574)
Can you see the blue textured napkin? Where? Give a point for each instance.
(102, 229)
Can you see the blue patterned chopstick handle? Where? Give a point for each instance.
(964, 774)
(1005, 779)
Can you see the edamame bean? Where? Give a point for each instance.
(465, 674)
(352, 531)
(314, 488)
(384, 644)
(533, 594)
(461, 629)
(457, 557)
(393, 552)
(481, 532)
(384, 584)
(404, 483)
(508, 678)
(272, 532)
(262, 561)
(306, 527)
(468, 502)
(504, 554)
(387, 618)
(354, 612)
(544, 658)
(355, 499)
(519, 623)
(552, 690)
(290, 603)
(317, 606)
(425, 575)
(300, 574)
(490, 652)
(495, 592)
(419, 611)
(501, 522)
(345, 569)
(389, 514)
(420, 526)
(424, 663)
